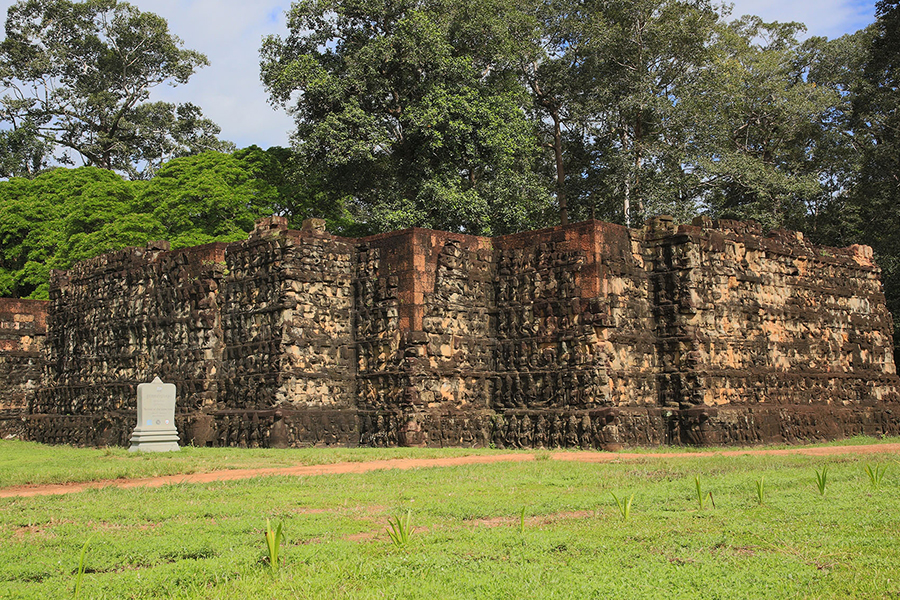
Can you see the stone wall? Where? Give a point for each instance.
(586, 335)
(771, 337)
(121, 319)
(23, 329)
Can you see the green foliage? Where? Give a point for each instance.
(623, 506)
(764, 122)
(411, 111)
(399, 529)
(67, 215)
(412, 116)
(631, 66)
(822, 479)
(78, 76)
(876, 474)
(209, 197)
(873, 206)
(273, 545)
(64, 216)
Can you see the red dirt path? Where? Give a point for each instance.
(413, 463)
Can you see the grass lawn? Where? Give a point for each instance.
(207, 540)
(26, 463)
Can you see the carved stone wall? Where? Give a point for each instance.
(586, 335)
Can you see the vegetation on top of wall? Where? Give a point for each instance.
(66, 215)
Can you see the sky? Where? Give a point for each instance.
(230, 32)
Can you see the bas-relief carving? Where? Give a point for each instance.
(590, 335)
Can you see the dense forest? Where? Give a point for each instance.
(479, 116)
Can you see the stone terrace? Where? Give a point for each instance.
(588, 335)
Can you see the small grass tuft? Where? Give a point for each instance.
(822, 479)
(400, 530)
(80, 575)
(701, 497)
(624, 506)
(273, 544)
(761, 491)
(876, 474)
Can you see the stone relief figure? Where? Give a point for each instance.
(586, 433)
(572, 439)
(512, 432)
(542, 432)
(556, 433)
(379, 437)
(392, 434)
(527, 436)
(365, 430)
(278, 433)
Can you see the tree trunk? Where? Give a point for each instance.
(560, 170)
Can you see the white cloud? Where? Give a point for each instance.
(230, 32)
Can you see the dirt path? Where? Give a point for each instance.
(413, 463)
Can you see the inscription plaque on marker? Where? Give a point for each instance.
(155, 431)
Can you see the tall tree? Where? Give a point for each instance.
(760, 143)
(606, 86)
(77, 78)
(876, 197)
(648, 52)
(413, 109)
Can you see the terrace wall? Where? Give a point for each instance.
(589, 335)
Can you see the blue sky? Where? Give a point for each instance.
(229, 32)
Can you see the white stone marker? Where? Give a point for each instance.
(155, 431)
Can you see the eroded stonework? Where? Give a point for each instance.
(587, 335)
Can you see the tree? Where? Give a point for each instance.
(767, 128)
(78, 75)
(606, 84)
(210, 197)
(875, 200)
(648, 54)
(413, 109)
(63, 216)
(67, 215)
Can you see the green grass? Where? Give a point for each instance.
(202, 541)
(857, 440)
(207, 540)
(28, 463)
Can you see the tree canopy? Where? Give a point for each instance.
(77, 78)
(66, 215)
(412, 109)
(478, 116)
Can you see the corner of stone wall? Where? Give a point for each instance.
(23, 332)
